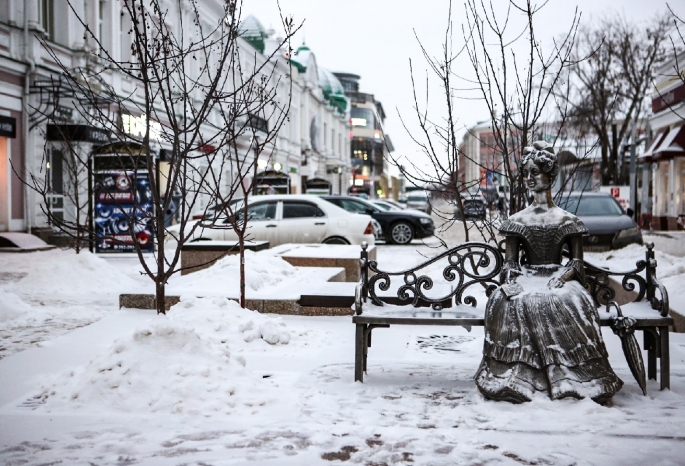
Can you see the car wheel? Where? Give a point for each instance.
(401, 233)
(335, 240)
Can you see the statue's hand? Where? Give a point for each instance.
(510, 276)
(556, 283)
(560, 280)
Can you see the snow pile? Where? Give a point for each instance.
(222, 320)
(261, 271)
(625, 259)
(162, 367)
(65, 272)
(11, 306)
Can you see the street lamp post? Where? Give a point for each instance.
(633, 172)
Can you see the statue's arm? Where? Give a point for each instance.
(511, 268)
(575, 269)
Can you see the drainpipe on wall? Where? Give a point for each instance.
(31, 68)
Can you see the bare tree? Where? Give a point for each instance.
(614, 67)
(437, 138)
(677, 43)
(514, 75)
(187, 87)
(261, 112)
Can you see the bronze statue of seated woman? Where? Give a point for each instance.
(541, 326)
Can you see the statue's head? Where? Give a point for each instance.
(539, 166)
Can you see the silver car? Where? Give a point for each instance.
(419, 200)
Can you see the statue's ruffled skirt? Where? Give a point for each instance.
(544, 340)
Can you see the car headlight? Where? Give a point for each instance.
(425, 221)
(630, 232)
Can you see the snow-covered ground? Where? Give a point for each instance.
(83, 382)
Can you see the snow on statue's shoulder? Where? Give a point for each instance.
(533, 216)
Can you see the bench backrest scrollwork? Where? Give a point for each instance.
(466, 265)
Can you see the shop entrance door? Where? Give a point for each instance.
(56, 180)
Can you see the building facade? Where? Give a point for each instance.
(370, 146)
(312, 143)
(663, 164)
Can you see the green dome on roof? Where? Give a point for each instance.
(333, 91)
(253, 32)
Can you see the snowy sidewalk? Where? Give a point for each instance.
(214, 384)
(419, 404)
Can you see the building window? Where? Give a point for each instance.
(105, 29)
(47, 17)
(4, 11)
(125, 35)
(362, 118)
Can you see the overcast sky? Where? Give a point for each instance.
(375, 39)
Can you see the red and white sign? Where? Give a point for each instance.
(621, 193)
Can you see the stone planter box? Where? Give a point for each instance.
(325, 255)
(203, 254)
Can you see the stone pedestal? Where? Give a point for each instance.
(325, 255)
(203, 254)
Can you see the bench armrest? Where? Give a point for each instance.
(642, 281)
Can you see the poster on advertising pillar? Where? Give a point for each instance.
(119, 197)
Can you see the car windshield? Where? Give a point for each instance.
(384, 206)
(357, 206)
(587, 206)
(417, 197)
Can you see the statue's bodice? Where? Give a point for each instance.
(543, 235)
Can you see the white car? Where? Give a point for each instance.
(290, 218)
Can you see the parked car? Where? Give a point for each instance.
(400, 226)
(399, 205)
(419, 200)
(475, 207)
(377, 229)
(384, 205)
(290, 218)
(609, 226)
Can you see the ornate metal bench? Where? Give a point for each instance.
(471, 269)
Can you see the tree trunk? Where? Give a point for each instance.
(604, 169)
(160, 297)
(613, 155)
(241, 245)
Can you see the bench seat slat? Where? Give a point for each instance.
(474, 321)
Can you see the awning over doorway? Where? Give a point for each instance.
(669, 143)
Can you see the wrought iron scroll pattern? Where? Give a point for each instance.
(599, 286)
(645, 287)
(469, 264)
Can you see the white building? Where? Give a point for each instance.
(313, 143)
(664, 161)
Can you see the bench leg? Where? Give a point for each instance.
(665, 359)
(359, 353)
(650, 341)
